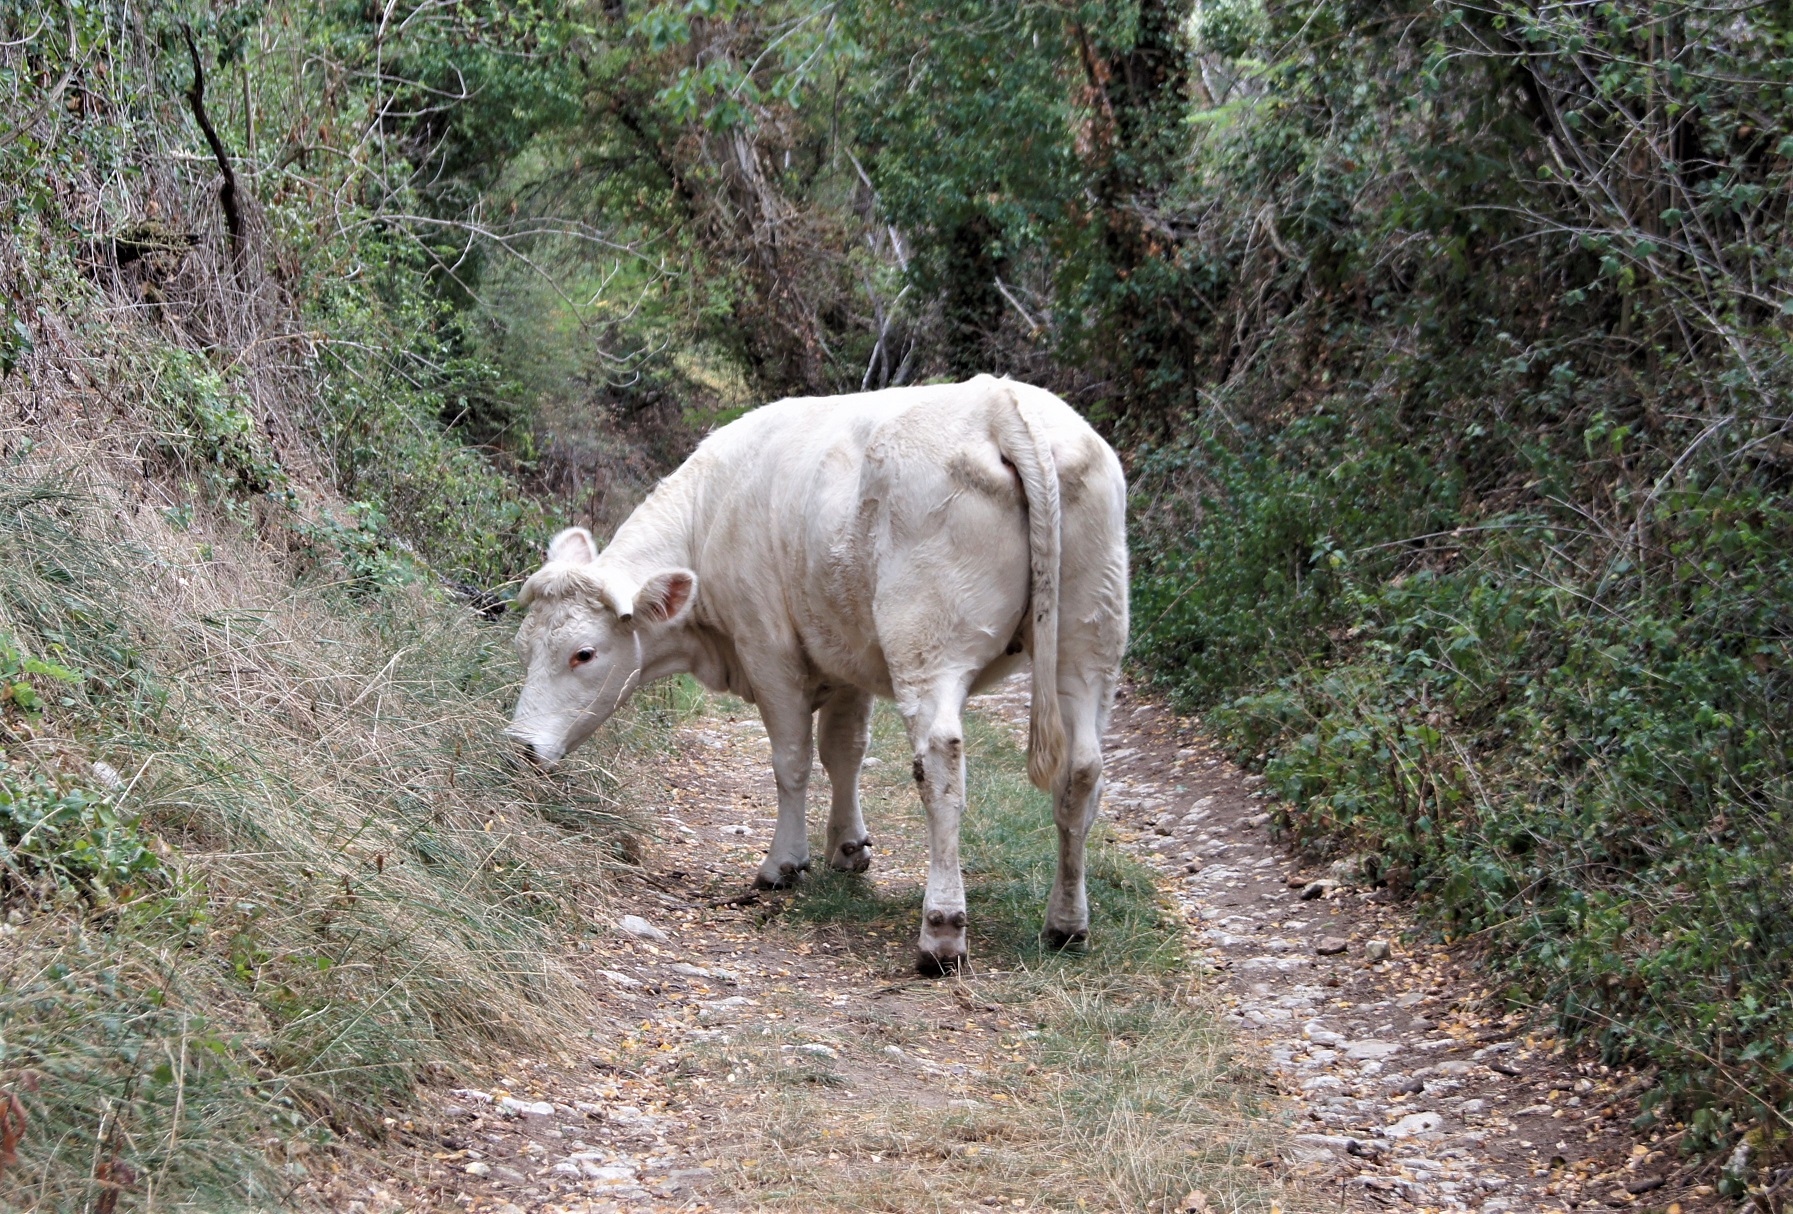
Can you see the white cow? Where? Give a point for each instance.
(912, 544)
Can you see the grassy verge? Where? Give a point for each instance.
(1108, 1085)
(268, 862)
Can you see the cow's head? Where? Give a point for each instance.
(591, 633)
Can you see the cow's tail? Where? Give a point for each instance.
(1025, 446)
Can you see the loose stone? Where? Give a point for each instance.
(641, 929)
(1414, 1124)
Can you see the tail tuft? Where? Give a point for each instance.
(1045, 745)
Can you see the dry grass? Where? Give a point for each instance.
(359, 888)
(1131, 1103)
(355, 889)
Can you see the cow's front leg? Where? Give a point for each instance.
(788, 727)
(844, 731)
(937, 734)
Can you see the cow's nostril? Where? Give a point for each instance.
(529, 753)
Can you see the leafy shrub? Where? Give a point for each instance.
(20, 678)
(63, 839)
(206, 427)
(1471, 523)
(359, 544)
(1253, 583)
(59, 837)
(379, 419)
(1581, 765)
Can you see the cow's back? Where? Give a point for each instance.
(805, 508)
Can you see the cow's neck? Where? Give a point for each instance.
(698, 651)
(656, 537)
(711, 661)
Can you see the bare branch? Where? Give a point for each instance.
(227, 193)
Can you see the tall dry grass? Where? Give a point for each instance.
(358, 888)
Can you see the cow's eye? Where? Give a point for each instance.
(583, 656)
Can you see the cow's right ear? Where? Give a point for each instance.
(573, 546)
(665, 597)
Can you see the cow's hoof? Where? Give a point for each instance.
(1059, 937)
(942, 948)
(852, 856)
(936, 965)
(782, 876)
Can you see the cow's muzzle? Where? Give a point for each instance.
(534, 757)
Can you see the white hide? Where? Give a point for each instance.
(820, 551)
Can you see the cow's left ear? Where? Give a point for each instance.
(666, 597)
(573, 546)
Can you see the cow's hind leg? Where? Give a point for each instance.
(787, 724)
(844, 730)
(937, 735)
(1075, 800)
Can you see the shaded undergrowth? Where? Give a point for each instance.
(1573, 748)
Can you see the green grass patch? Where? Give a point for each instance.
(1009, 852)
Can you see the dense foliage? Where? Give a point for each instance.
(249, 892)
(1493, 531)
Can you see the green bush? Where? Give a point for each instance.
(1470, 521)
(1582, 768)
(205, 426)
(379, 418)
(63, 839)
(21, 677)
(1252, 584)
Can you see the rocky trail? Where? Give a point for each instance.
(746, 1060)
(1407, 1089)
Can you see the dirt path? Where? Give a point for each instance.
(1409, 1089)
(741, 1062)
